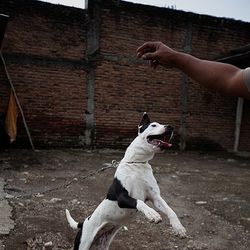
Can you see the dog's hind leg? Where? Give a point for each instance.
(99, 239)
(160, 204)
(104, 237)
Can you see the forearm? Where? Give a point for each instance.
(213, 75)
(223, 77)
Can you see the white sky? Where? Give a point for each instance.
(237, 9)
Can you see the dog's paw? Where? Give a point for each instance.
(179, 230)
(153, 216)
(149, 212)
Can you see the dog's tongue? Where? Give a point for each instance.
(162, 144)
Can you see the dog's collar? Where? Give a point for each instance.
(132, 162)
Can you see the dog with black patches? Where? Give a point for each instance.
(133, 185)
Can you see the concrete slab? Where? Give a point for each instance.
(6, 223)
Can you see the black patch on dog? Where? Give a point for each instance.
(78, 240)
(144, 123)
(143, 127)
(78, 236)
(118, 193)
(80, 224)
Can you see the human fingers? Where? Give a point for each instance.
(146, 47)
(150, 56)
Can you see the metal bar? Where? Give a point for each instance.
(184, 91)
(238, 119)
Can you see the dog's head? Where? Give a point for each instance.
(156, 135)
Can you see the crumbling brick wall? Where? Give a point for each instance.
(80, 83)
(125, 87)
(44, 48)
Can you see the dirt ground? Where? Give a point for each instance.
(209, 192)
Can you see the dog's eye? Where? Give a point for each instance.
(153, 125)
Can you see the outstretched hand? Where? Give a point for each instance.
(157, 53)
(225, 78)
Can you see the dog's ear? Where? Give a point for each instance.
(145, 121)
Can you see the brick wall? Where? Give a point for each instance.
(44, 48)
(125, 87)
(79, 81)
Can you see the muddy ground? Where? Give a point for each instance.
(209, 192)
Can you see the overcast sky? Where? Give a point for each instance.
(237, 9)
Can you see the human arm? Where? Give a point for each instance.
(223, 77)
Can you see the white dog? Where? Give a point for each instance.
(133, 185)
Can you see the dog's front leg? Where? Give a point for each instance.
(149, 212)
(125, 201)
(160, 204)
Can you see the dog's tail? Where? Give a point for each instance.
(73, 224)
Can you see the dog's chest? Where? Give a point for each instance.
(137, 180)
(140, 189)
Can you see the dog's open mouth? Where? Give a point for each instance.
(162, 141)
